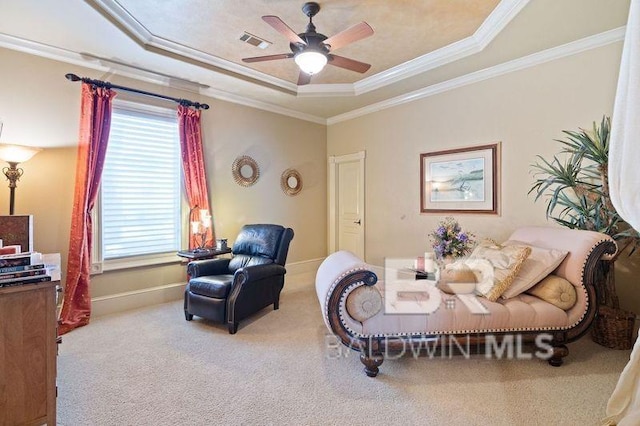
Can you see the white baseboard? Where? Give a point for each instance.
(302, 273)
(126, 301)
(297, 273)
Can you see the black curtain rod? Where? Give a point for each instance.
(99, 83)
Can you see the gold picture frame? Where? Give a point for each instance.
(462, 180)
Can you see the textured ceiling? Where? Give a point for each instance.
(403, 29)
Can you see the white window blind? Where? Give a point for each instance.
(141, 183)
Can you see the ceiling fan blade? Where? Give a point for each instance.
(349, 64)
(350, 35)
(303, 78)
(279, 25)
(268, 57)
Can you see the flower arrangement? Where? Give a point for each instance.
(450, 240)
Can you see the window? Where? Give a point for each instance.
(141, 189)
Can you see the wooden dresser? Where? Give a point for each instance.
(28, 354)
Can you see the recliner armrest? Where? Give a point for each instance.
(258, 272)
(199, 268)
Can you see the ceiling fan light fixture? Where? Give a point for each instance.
(310, 61)
(312, 50)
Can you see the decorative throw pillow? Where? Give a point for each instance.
(506, 261)
(555, 290)
(364, 302)
(540, 263)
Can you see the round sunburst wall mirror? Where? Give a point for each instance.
(291, 182)
(245, 170)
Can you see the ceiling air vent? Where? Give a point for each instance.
(255, 41)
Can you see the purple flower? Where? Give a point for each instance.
(449, 239)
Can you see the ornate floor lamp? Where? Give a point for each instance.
(14, 155)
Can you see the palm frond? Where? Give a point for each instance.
(554, 173)
(575, 188)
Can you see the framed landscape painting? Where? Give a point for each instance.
(463, 180)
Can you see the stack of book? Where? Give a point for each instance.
(24, 268)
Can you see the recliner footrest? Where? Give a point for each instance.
(217, 286)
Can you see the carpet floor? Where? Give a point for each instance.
(151, 367)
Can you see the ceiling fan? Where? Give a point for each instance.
(312, 50)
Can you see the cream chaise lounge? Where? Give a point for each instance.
(352, 303)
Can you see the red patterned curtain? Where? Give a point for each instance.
(195, 178)
(95, 121)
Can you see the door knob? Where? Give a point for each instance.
(357, 222)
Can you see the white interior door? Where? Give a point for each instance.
(346, 203)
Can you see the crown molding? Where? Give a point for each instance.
(253, 103)
(147, 39)
(46, 51)
(497, 20)
(67, 56)
(95, 63)
(558, 52)
(490, 28)
(326, 90)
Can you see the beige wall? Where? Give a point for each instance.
(525, 110)
(276, 143)
(40, 107)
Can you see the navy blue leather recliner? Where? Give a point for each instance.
(230, 290)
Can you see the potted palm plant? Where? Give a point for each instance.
(575, 186)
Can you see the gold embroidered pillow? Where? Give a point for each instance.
(555, 290)
(506, 262)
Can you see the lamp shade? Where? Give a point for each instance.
(17, 153)
(311, 62)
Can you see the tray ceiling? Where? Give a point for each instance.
(403, 29)
(418, 46)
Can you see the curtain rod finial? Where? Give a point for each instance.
(72, 77)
